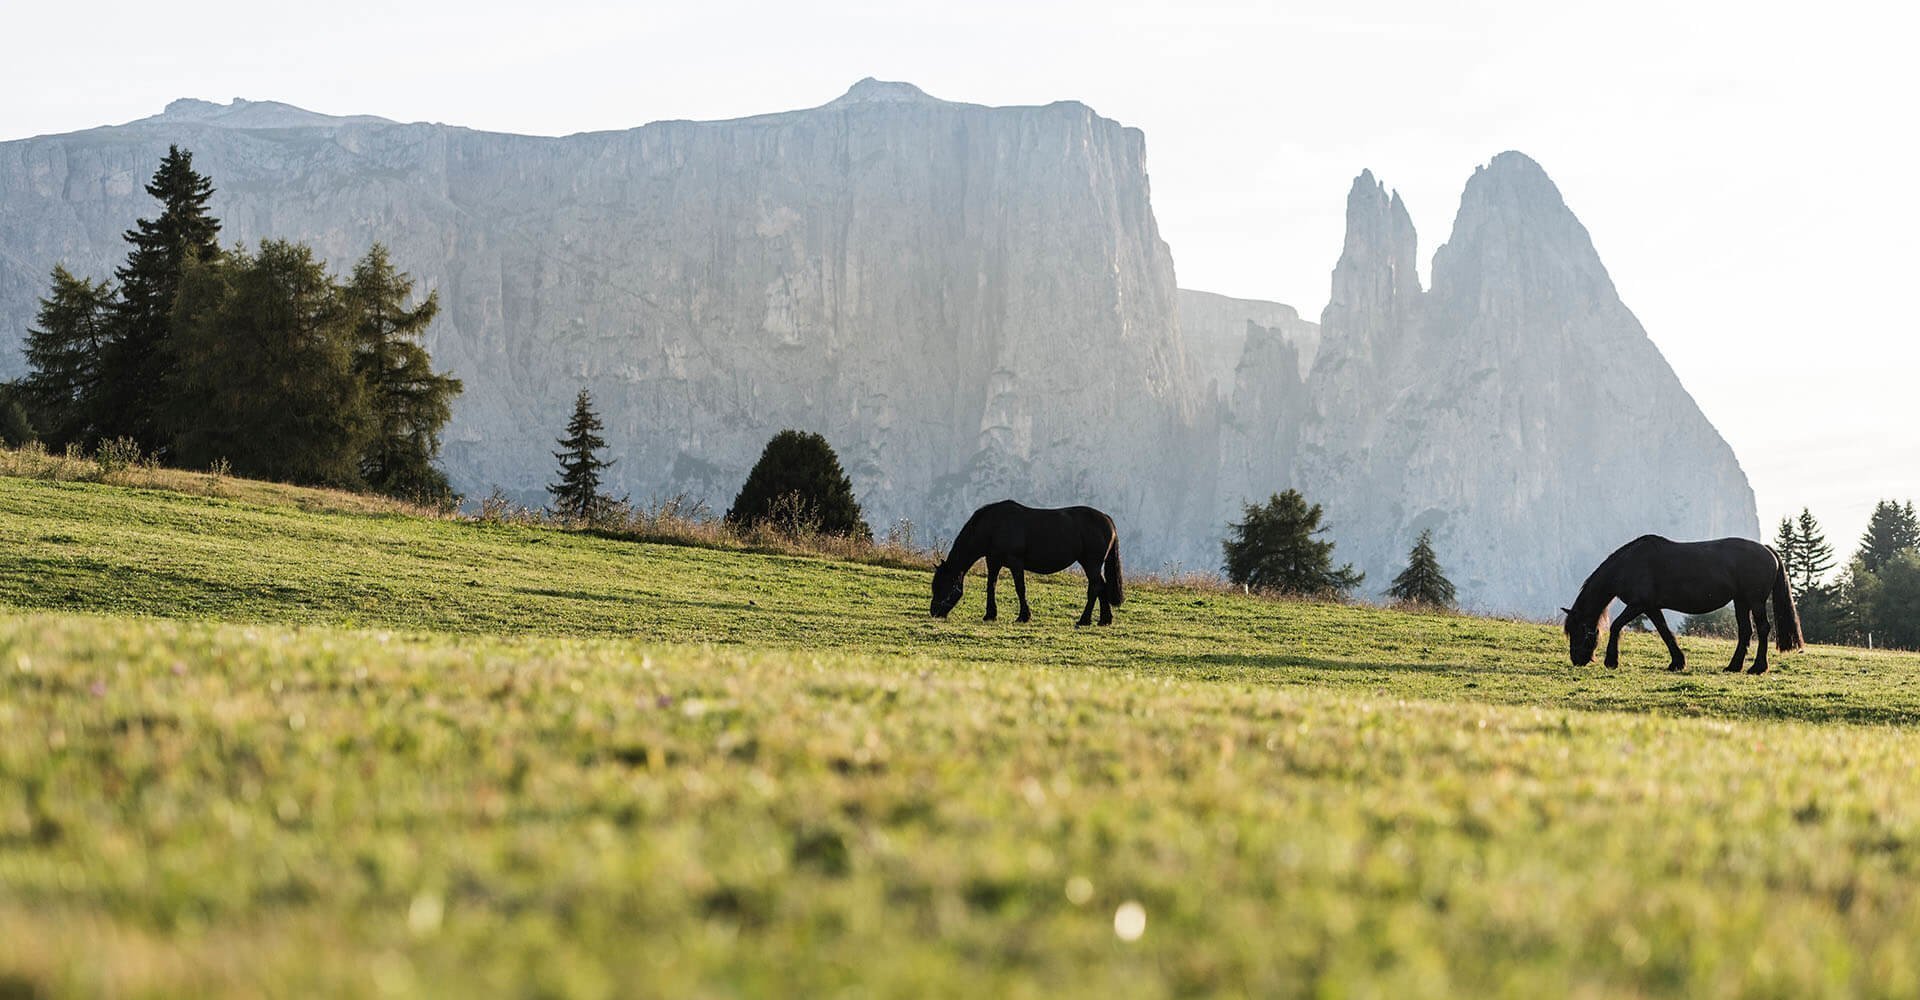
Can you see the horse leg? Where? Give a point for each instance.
(1020, 588)
(1093, 594)
(1659, 620)
(1613, 638)
(993, 578)
(1740, 612)
(1760, 633)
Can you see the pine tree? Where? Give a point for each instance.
(1814, 556)
(577, 494)
(798, 479)
(266, 381)
(140, 366)
(407, 402)
(1894, 528)
(65, 348)
(1422, 582)
(1273, 548)
(1786, 545)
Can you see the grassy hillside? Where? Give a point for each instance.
(384, 753)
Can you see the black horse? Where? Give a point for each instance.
(1651, 573)
(1023, 538)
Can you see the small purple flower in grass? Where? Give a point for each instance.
(98, 689)
(664, 701)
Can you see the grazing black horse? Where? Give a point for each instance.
(1023, 538)
(1651, 573)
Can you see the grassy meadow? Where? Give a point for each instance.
(264, 741)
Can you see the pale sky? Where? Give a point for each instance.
(1748, 171)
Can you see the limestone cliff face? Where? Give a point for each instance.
(968, 302)
(1517, 408)
(1216, 329)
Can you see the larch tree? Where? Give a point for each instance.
(265, 377)
(62, 390)
(407, 401)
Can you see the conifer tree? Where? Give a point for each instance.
(266, 381)
(139, 366)
(65, 347)
(1273, 548)
(799, 476)
(1807, 558)
(577, 494)
(1422, 582)
(1813, 556)
(407, 402)
(1894, 528)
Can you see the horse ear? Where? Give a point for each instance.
(1566, 611)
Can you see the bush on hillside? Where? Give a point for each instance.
(798, 487)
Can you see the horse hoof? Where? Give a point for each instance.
(988, 618)
(1757, 669)
(1082, 623)
(1734, 667)
(1106, 621)
(1674, 668)
(1024, 618)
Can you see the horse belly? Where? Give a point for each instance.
(1048, 562)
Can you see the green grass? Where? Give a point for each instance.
(249, 748)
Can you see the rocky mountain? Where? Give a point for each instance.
(969, 303)
(1216, 329)
(1517, 408)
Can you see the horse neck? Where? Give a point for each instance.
(1594, 597)
(966, 549)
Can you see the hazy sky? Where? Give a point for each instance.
(1748, 172)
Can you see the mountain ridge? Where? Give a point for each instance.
(969, 302)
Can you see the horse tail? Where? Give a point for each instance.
(1116, 592)
(1786, 618)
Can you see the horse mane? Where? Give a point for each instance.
(1596, 593)
(964, 541)
(1590, 594)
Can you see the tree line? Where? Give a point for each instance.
(257, 359)
(1875, 598)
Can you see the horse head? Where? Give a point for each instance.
(1582, 636)
(949, 583)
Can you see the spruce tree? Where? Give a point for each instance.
(1814, 556)
(65, 349)
(799, 476)
(407, 402)
(577, 495)
(1422, 582)
(1273, 548)
(140, 366)
(266, 380)
(1807, 558)
(1894, 528)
